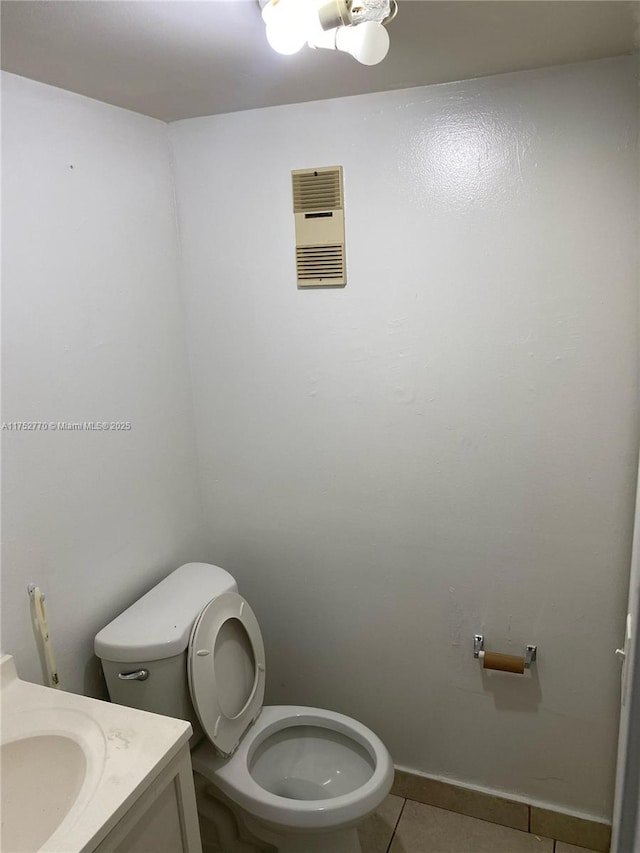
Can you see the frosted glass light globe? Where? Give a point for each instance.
(367, 42)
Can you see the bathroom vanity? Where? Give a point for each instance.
(81, 776)
(162, 818)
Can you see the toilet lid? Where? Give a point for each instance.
(226, 670)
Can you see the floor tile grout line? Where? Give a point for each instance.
(393, 834)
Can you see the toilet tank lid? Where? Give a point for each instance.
(158, 625)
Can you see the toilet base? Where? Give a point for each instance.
(342, 841)
(226, 828)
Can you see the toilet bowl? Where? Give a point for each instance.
(302, 769)
(299, 779)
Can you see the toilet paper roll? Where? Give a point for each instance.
(505, 663)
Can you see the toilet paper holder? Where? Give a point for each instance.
(529, 656)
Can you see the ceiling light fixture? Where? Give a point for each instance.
(357, 27)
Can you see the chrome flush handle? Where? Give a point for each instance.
(138, 675)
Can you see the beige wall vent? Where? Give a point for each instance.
(319, 213)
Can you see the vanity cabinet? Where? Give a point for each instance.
(163, 819)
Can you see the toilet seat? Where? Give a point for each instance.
(226, 668)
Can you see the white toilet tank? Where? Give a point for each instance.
(153, 635)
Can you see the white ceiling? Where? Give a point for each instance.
(176, 59)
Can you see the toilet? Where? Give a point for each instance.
(281, 777)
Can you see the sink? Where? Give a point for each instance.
(51, 759)
(46, 769)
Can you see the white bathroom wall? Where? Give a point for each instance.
(93, 331)
(447, 445)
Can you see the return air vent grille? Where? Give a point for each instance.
(320, 264)
(318, 211)
(317, 189)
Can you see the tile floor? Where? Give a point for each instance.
(404, 826)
